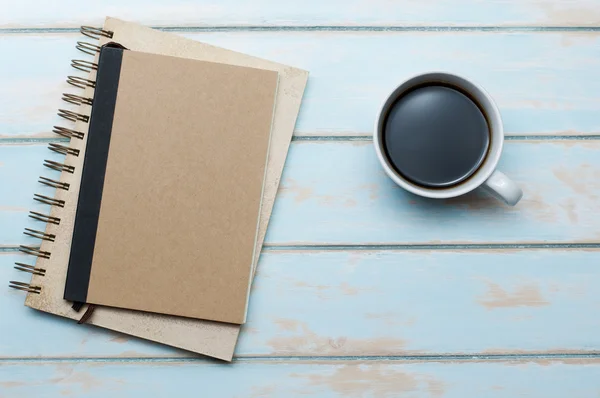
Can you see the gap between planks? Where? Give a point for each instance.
(450, 358)
(508, 137)
(327, 28)
(5, 140)
(400, 247)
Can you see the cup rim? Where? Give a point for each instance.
(496, 137)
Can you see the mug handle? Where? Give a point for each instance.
(501, 187)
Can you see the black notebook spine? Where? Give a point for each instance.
(41, 253)
(93, 172)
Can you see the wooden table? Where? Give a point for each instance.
(362, 289)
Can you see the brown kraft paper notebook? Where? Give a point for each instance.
(205, 337)
(171, 185)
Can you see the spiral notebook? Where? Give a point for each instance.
(45, 291)
(171, 184)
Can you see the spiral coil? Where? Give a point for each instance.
(85, 66)
(76, 99)
(53, 183)
(34, 251)
(64, 150)
(73, 116)
(59, 166)
(44, 218)
(67, 133)
(87, 48)
(26, 287)
(48, 201)
(30, 268)
(82, 83)
(95, 33)
(39, 234)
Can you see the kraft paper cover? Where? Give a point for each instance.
(183, 185)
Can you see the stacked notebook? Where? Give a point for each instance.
(163, 199)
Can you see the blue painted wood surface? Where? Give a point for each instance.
(544, 83)
(370, 303)
(343, 13)
(337, 193)
(376, 379)
(491, 302)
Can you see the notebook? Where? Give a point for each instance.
(171, 185)
(45, 291)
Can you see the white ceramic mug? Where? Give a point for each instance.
(486, 176)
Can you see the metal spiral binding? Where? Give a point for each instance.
(44, 218)
(67, 133)
(80, 82)
(76, 99)
(39, 234)
(26, 287)
(73, 116)
(53, 183)
(34, 251)
(49, 201)
(64, 150)
(95, 33)
(30, 268)
(85, 66)
(59, 166)
(87, 48)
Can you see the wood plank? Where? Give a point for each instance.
(544, 83)
(531, 378)
(32, 13)
(365, 303)
(337, 193)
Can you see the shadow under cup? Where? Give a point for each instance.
(434, 134)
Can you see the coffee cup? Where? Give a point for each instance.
(440, 135)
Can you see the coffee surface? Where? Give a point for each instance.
(435, 136)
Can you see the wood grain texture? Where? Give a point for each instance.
(337, 193)
(542, 378)
(72, 13)
(544, 83)
(366, 303)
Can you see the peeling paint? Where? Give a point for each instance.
(523, 296)
(306, 340)
(120, 339)
(375, 380)
(291, 186)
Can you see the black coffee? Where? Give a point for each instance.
(435, 136)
